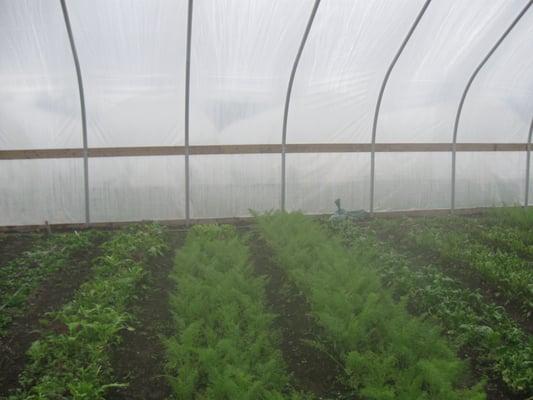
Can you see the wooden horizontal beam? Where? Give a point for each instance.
(148, 151)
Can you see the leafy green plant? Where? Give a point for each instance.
(223, 347)
(507, 272)
(22, 275)
(386, 353)
(502, 349)
(518, 217)
(71, 359)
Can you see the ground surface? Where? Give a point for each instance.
(139, 358)
(56, 290)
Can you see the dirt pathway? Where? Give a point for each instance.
(56, 290)
(139, 358)
(12, 245)
(313, 370)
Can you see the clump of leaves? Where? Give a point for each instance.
(71, 360)
(23, 274)
(387, 354)
(501, 347)
(509, 274)
(223, 347)
(520, 217)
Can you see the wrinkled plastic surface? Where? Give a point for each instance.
(132, 57)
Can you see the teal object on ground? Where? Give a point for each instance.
(340, 214)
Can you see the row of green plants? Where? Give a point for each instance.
(501, 348)
(20, 276)
(224, 347)
(517, 217)
(71, 360)
(508, 273)
(385, 352)
(507, 238)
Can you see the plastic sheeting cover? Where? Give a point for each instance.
(39, 101)
(132, 56)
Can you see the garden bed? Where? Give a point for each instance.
(287, 309)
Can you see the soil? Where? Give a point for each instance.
(14, 244)
(56, 290)
(140, 357)
(464, 273)
(312, 370)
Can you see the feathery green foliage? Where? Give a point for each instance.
(387, 354)
(501, 347)
(223, 347)
(71, 360)
(22, 275)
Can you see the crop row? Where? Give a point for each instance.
(223, 347)
(386, 353)
(488, 229)
(71, 359)
(501, 348)
(516, 217)
(505, 271)
(20, 276)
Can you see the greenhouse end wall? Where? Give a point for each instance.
(133, 56)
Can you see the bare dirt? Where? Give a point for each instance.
(56, 290)
(140, 357)
(312, 370)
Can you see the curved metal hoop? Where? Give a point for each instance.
(288, 100)
(380, 98)
(83, 115)
(467, 88)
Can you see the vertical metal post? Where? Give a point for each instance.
(187, 99)
(83, 115)
(467, 88)
(528, 163)
(288, 99)
(380, 98)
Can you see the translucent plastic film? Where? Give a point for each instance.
(39, 101)
(315, 181)
(349, 49)
(137, 188)
(35, 191)
(242, 55)
(132, 55)
(425, 88)
(488, 179)
(409, 181)
(499, 106)
(231, 185)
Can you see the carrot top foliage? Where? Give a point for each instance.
(386, 353)
(223, 347)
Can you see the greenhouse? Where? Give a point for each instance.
(266, 199)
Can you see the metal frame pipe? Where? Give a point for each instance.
(528, 163)
(380, 98)
(466, 90)
(288, 99)
(83, 112)
(187, 108)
